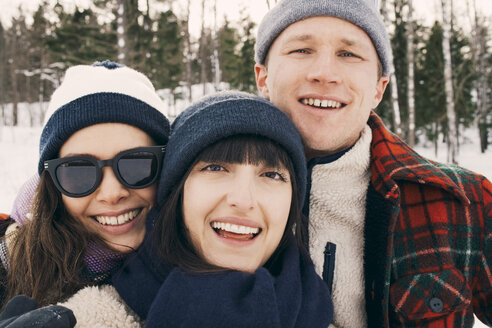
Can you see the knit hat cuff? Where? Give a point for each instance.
(99, 108)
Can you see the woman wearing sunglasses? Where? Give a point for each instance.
(100, 155)
(225, 249)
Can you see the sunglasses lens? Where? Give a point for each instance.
(138, 169)
(76, 177)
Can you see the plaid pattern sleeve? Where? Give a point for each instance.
(439, 247)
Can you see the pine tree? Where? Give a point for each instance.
(430, 100)
(399, 45)
(80, 39)
(203, 71)
(17, 59)
(167, 60)
(40, 75)
(245, 79)
(228, 57)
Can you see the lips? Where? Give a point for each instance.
(235, 231)
(322, 103)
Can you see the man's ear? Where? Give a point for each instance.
(380, 87)
(261, 73)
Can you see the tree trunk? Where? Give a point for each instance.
(216, 50)
(203, 60)
(15, 92)
(411, 78)
(187, 36)
(121, 28)
(393, 82)
(479, 53)
(448, 83)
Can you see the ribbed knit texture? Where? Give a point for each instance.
(107, 93)
(362, 13)
(336, 215)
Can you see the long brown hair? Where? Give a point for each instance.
(170, 236)
(46, 254)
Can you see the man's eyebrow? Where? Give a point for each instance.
(348, 42)
(299, 37)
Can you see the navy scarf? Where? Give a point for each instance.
(164, 295)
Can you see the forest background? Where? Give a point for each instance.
(442, 60)
(439, 99)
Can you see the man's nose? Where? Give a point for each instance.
(324, 69)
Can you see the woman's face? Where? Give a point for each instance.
(236, 213)
(114, 212)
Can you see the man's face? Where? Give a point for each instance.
(323, 73)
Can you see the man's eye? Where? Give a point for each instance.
(299, 51)
(348, 54)
(275, 176)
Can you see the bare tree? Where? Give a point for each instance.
(393, 82)
(188, 54)
(411, 76)
(448, 82)
(216, 63)
(203, 60)
(121, 24)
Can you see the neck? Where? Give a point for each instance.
(315, 156)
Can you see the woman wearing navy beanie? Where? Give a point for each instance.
(224, 245)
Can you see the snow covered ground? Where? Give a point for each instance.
(19, 157)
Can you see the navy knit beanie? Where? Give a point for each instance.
(105, 92)
(222, 115)
(362, 13)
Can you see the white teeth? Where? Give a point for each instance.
(323, 103)
(117, 220)
(239, 229)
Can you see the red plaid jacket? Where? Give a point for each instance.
(428, 239)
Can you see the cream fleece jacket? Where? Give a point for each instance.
(337, 215)
(101, 307)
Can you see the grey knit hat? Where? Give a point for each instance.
(362, 13)
(105, 92)
(222, 115)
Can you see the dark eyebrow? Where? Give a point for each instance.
(78, 154)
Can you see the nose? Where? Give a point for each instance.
(110, 190)
(241, 194)
(323, 69)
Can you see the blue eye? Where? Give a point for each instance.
(299, 51)
(348, 54)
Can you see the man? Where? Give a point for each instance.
(412, 237)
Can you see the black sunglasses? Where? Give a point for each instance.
(79, 176)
